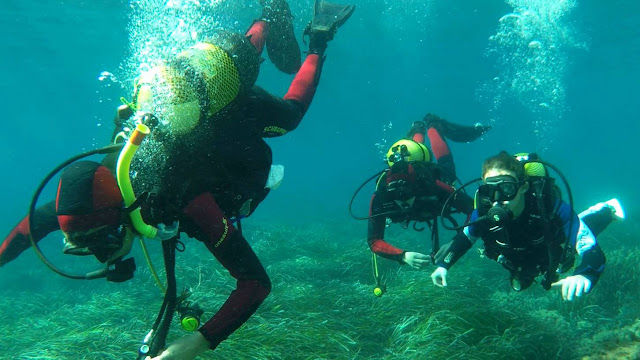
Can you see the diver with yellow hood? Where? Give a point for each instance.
(413, 188)
(197, 122)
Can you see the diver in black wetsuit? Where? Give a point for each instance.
(527, 228)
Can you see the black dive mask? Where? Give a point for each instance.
(492, 198)
(101, 243)
(499, 188)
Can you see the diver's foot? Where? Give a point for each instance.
(327, 18)
(617, 209)
(282, 46)
(455, 132)
(418, 127)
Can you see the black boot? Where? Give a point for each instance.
(282, 46)
(418, 127)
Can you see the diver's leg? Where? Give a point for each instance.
(455, 132)
(442, 153)
(418, 132)
(257, 34)
(282, 46)
(600, 215)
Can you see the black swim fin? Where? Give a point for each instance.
(329, 16)
(282, 46)
(455, 132)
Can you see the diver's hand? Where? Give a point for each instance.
(167, 232)
(439, 257)
(439, 274)
(575, 285)
(416, 260)
(185, 348)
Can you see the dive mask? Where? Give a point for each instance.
(500, 188)
(102, 243)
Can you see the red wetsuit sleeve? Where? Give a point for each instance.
(304, 85)
(18, 239)
(375, 235)
(204, 220)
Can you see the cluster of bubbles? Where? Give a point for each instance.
(382, 145)
(161, 29)
(530, 52)
(158, 31)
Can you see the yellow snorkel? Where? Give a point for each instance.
(122, 174)
(124, 182)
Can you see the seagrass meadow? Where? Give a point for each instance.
(558, 78)
(322, 305)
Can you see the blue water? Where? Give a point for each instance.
(392, 63)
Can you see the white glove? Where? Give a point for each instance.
(416, 260)
(440, 274)
(167, 232)
(573, 285)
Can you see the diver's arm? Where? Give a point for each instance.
(460, 245)
(204, 220)
(462, 242)
(449, 254)
(18, 239)
(375, 235)
(584, 243)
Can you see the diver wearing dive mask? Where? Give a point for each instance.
(528, 229)
(499, 196)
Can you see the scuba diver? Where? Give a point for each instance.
(413, 189)
(527, 228)
(191, 145)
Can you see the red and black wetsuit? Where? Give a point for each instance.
(430, 196)
(234, 167)
(246, 159)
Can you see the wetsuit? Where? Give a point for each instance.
(246, 158)
(431, 189)
(527, 253)
(234, 167)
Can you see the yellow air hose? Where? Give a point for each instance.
(124, 182)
